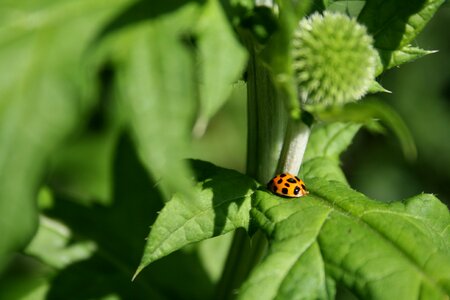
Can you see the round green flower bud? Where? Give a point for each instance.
(334, 59)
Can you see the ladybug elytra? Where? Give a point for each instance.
(287, 185)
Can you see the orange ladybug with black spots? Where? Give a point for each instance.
(287, 185)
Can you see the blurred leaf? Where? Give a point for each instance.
(87, 180)
(156, 77)
(221, 204)
(368, 110)
(161, 86)
(294, 10)
(90, 180)
(375, 250)
(53, 245)
(349, 7)
(113, 233)
(203, 27)
(25, 281)
(97, 278)
(225, 134)
(43, 92)
(222, 60)
(138, 12)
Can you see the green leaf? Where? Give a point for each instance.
(349, 7)
(53, 245)
(330, 140)
(326, 143)
(222, 60)
(393, 24)
(337, 236)
(390, 59)
(367, 111)
(43, 97)
(322, 167)
(97, 246)
(156, 78)
(221, 204)
(166, 98)
(29, 287)
(376, 87)
(89, 180)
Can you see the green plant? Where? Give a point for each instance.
(99, 102)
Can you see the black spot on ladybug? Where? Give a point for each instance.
(283, 175)
(274, 189)
(284, 191)
(303, 186)
(280, 181)
(291, 180)
(287, 184)
(298, 179)
(296, 190)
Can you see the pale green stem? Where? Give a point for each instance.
(296, 139)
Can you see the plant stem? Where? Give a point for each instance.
(267, 121)
(244, 254)
(296, 139)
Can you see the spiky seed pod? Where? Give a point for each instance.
(334, 59)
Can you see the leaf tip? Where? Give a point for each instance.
(138, 270)
(377, 88)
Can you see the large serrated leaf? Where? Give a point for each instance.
(375, 250)
(220, 204)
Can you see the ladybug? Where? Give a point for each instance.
(287, 185)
